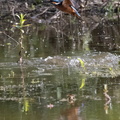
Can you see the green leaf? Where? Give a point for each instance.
(83, 83)
(26, 105)
(82, 63)
(18, 16)
(8, 44)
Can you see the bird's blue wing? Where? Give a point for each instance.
(56, 2)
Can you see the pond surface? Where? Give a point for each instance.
(60, 71)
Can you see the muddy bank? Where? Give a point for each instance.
(43, 10)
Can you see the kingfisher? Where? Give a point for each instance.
(67, 6)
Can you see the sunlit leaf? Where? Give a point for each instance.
(34, 82)
(18, 16)
(26, 105)
(68, 57)
(22, 30)
(32, 7)
(83, 83)
(8, 43)
(110, 69)
(27, 25)
(105, 87)
(21, 23)
(81, 62)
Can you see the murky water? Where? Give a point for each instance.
(61, 72)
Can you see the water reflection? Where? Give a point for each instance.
(29, 98)
(71, 113)
(59, 38)
(107, 98)
(49, 81)
(106, 36)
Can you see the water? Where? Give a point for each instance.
(63, 74)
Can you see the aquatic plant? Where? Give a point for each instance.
(25, 105)
(22, 19)
(81, 63)
(82, 84)
(112, 7)
(21, 23)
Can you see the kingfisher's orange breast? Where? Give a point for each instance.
(66, 8)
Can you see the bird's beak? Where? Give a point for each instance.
(75, 10)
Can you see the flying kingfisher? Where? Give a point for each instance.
(67, 6)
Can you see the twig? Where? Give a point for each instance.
(105, 4)
(107, 96)
(55, 16)
(41, 13)
(11, 37)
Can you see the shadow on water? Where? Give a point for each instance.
(62, 71)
